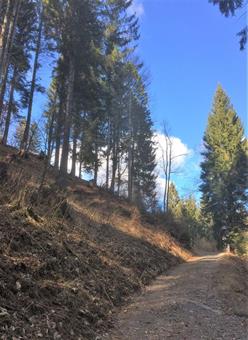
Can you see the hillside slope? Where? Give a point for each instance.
(72, 256)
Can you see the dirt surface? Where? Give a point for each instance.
(189, 303)
(70, 253)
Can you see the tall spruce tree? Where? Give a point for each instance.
(76, 30)
(143, 159)
(34, 142)
(191, 219)
(121, 32)
(224, 168)
(17, 56)
(33, 85)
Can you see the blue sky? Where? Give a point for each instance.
(188, 48)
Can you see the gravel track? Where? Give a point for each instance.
(183, 304)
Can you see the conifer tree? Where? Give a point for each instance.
(18, 66)
(77, 37)
(143, 165)
(33, 84)
(34, 141)
(190, 216)
(97, 102)
(174, 204)
(224, 168)
(121, 32)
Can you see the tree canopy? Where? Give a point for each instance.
(224, 168)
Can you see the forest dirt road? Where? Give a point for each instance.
(187, 303)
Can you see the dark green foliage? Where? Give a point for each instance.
(175, 205)
(97, 111)
(144, 179)
(229, 7)
(18, 60)
(243, 37)
(34, 141)
(224, 168)
(187, 215)
(191, 219)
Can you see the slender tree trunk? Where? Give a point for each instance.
(49, 154)
(165, 195)
(118, 175)
(96, 164)
(169, 176)
(2, 92)
(10, 104)
(116, 141)
(4, 33)
(4, 46)
(52, 149)
(50, 143)
(114, 168)
(74, 155)
(67, 123)
(130, 175)
(108, 156)
(5, 58)
(165, 168)
(57, 146)
(33, 84)
(107, 171)
(80, 169)
(167, 163)
(58, 128)
(1, 6)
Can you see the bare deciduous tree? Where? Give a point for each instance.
(167, 164)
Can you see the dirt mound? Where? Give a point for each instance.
(231, 283)
(68, 258)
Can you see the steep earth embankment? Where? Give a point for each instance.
(68, 258)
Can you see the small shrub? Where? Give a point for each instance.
(239, 242)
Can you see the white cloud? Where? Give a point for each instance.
(137, 8)
(180, 155)
(180, 151)
(160, 187)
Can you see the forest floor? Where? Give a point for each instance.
(205, 298)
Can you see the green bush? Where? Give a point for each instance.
(239, 242)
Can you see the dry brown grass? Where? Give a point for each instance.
(231, 283)
(69, 258)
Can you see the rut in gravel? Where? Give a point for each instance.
(182, 305)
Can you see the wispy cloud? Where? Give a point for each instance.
(180, 151)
